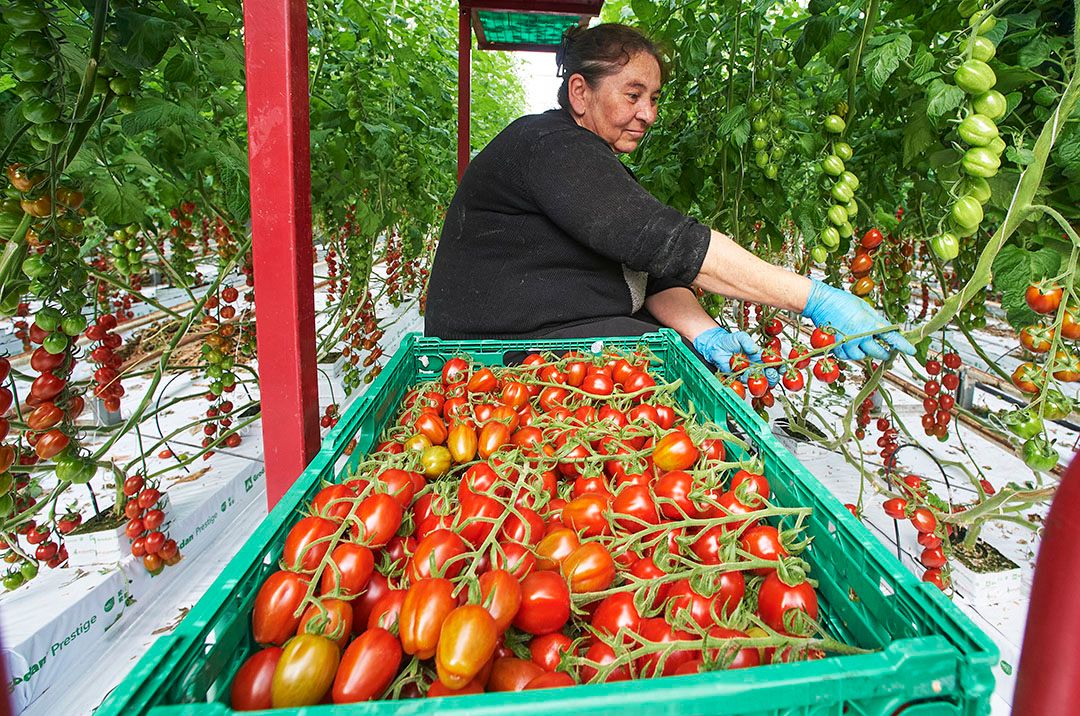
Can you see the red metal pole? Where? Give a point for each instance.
(464, 89)
(1048, 681)
(276, 50)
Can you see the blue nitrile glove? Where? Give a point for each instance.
(718, 345)
(850, 315)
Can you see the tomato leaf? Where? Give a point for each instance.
(1014, 269)
(116, 203)
(817, 32)
(154, 113)
(942, 98)
(881, 62)
(919, 135)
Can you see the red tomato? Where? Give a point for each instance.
(482, 381)
(730, 653)
(826, 370)
(426, 605)
(492, 437)
(440, 547)
(525, 526)
(50, 444)
(777, 601)
(334, 621)
(354, 566)
(333, 502)
(545, 603)
(308, 542)
(615, 612)
(367, 667)
(547, 650)
(598, 384)
(362, 605)
(275, 616)
(500, 594)
(250, 690)
(755, 484)
(400, 485)
(551, 680)
(377, 519)
(476, 518)
(674, 451)
(763, 542)
(822, 337)
(603, 655)
(386, 612)
(657, 630)
(674, 488)
(431, 426)
(586, 515)
(555, 547)
(512, 674)
(467, 641)
(455, 370)
(895, 507)
(516, 559)
(634, 509)
(589, 568)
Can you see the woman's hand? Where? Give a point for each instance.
(718, 346)
(849, 315)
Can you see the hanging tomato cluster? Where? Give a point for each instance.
(556, 523)
(841, 184)
(181, 239)
(145, 510)
(914, 506)
(940, 400)
(107, 385)
(362, 334)
(220, 351)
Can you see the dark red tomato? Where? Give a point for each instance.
(895, 507)
(665, 416)
(639, 383)
(250, 689)
(729, 653)
(547, 650)
(275, 615)
(643, 414)
(440, 547)
(50, 444)
(658, 631)
(482, 381)
(589, 568)
(386, 612)
(674, 451)
(500, 594)
(42, 360)
(713, 449)
(603, 655)
(755, 484)
(426, 606)
(584, 485)
(399, 484)
(681, 596)
(367, 667)
(509, 673)
(308, 542)
(645, 569)
(362, 605)
(334, 621)
(476, 518)
(552, 397)
(515, 558)
(634, 509)
(923, 520)
(729, 506)
(763, 542)
(545, 603)
(46, 386)
(479, 479)
(707, 546)
(333, 502)
(779, 605)
(551, 680)
(576, 373)
(376, 520)
(674, 489)
(587, 515)
(525, 526)
(615, 612)
(932, 557)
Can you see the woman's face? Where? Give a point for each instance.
(623, 105)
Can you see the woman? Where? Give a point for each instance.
(549, 235)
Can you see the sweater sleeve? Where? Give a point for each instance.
(582, 187)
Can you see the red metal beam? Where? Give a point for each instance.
(1048, 681)
(276, 51)
(464, 85)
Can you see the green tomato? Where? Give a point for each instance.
(845, 229)
(214, 371)
(759, 124)
(984, 20)
(75, 470)
(122, 266)
(55, 343)
(771, 170)
(850, 179)
(756, 104)
(28, 570)
(977, 130)
(843, 150)
(777, 153)
(32, 43)
(6, 483)
(762, 158)
(126, 104)
(134, 256)
(819, 254)
(975, 77)
(1039, 454)
(1045, 96)
(984, 49)
(53, 132)
(946, 246)
(834, 124)
(759, 142)
(838, 214)
(31, 69)
(1057, 405)
(13, 580)
(976, 187)
(830, 237)
(118, 250)
(832, 165)
(7, 503)
(842, 192)
(228, 379)
(967, 8)
(967, 212)
(48, 318)
(1024, 423)
(215, 387)
(852, 208)
(980, 162)
(39, 110)
(120, 85)
(996, 145)
(73, 324)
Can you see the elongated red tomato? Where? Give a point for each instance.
(509, 673)
(616, 612)
(334, 621)
(585, 514)
(426, 605)
(763, 542)
(386, 612)
(333, 502)
(376, 520)
(674, 451)
(274, 618)
(466, 642)
(545, 603)
(634, 508)
(354, 564)
(500, 594)
(603, 655)
(304, 672)
(250, 690)
(441, 549)
(589, 568)
(308, 542)
(367, 667)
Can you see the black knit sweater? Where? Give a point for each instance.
(548, 229)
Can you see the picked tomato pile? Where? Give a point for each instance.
(555, 523)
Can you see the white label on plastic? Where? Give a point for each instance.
(885, 588)
(832, 528)
(597, 347)
(424, 361)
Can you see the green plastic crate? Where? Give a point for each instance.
(931, 658)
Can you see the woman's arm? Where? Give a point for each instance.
(678, 308)
(730, 270)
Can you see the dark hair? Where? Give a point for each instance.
(600, 51)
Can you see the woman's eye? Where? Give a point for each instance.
(633, 97)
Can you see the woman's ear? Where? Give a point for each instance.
(577, 90)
